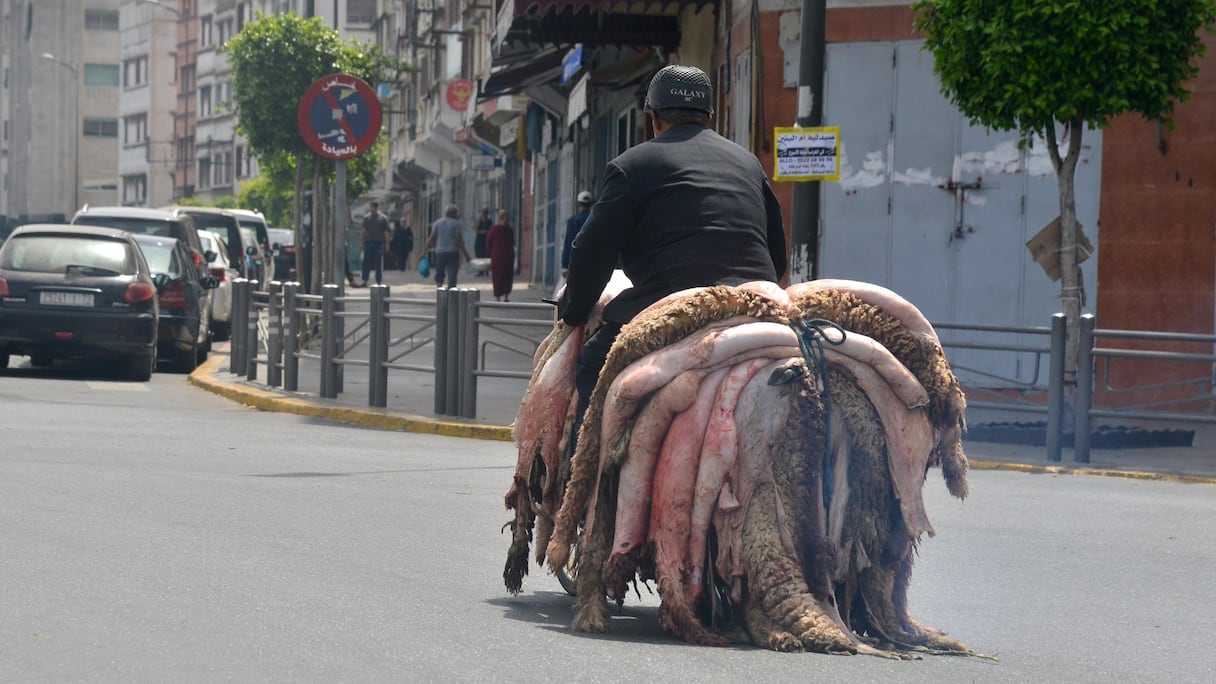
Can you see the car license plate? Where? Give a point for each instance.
(66, 298)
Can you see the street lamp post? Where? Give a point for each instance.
(76, 129)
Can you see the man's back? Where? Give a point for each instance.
(685, 209)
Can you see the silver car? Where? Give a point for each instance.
(221, 297)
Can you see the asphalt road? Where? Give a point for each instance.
(152, 532)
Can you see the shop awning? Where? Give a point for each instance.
(649, 23)
(514, 78)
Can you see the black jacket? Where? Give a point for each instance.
(686, 209)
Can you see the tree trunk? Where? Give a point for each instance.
(318, 228)
(1072, 286)
(297, 219)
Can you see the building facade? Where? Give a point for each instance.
(59, 108)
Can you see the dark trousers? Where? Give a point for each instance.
(373, 257)
(446, 264)
(590, 363)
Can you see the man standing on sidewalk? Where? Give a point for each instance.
(375, 234)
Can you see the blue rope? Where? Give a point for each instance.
(812, 334)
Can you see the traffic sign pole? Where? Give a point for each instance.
(339, 118)
(340, 230)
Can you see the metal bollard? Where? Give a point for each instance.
(456, 298)
(377, 352)
(468, 347)
(251, 334)
(1055, 388)
(1085, 389)
(274, 335)
(442, 300)
(236, 350)
(291, 338)
(329, 342)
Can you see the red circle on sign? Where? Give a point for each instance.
(339, 116)
(458, 94)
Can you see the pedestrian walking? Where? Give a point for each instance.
(402, 244)
(375, 234)
(500, 244)
(479, 236)
(573, 225)
(445, 239)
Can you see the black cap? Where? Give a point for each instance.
(680, 87)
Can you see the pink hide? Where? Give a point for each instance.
(633, 494)
(675, 480)
(717, 458)
(865, 350)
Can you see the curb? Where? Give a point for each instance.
(1035, 469)
(381, 419)
(378, 419)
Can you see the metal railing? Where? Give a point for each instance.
(458, 334)
(457, 339)
(1010, 394)
(1090, 354)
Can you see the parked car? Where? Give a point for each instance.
(256, 257)
(184, 333)
(77, 292)
(221, 298)
(227, 223)
(254, 221)
(142, 221)
(283, 247)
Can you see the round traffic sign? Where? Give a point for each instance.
(339, 116)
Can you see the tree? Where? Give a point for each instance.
(1031, 65)
(274, 59)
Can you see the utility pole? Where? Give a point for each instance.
(805, 210)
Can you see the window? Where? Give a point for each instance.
(240, 159)
(220, 100)
(223, 30)
(185, 83)
(204, 172)
(101, 128)
(360, 11)
(221, 168)
(101, 74)
(204, 101)
(101, 20)
(135, 189)
(204, 31)
(135, 129)
(135, 71)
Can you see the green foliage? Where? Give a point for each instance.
(1023, 64)
(271, 197)
(275, 58)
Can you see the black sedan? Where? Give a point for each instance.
(77, 292)
(185, 301)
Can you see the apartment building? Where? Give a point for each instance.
(59, 122)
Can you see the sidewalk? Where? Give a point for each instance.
(497, 403)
